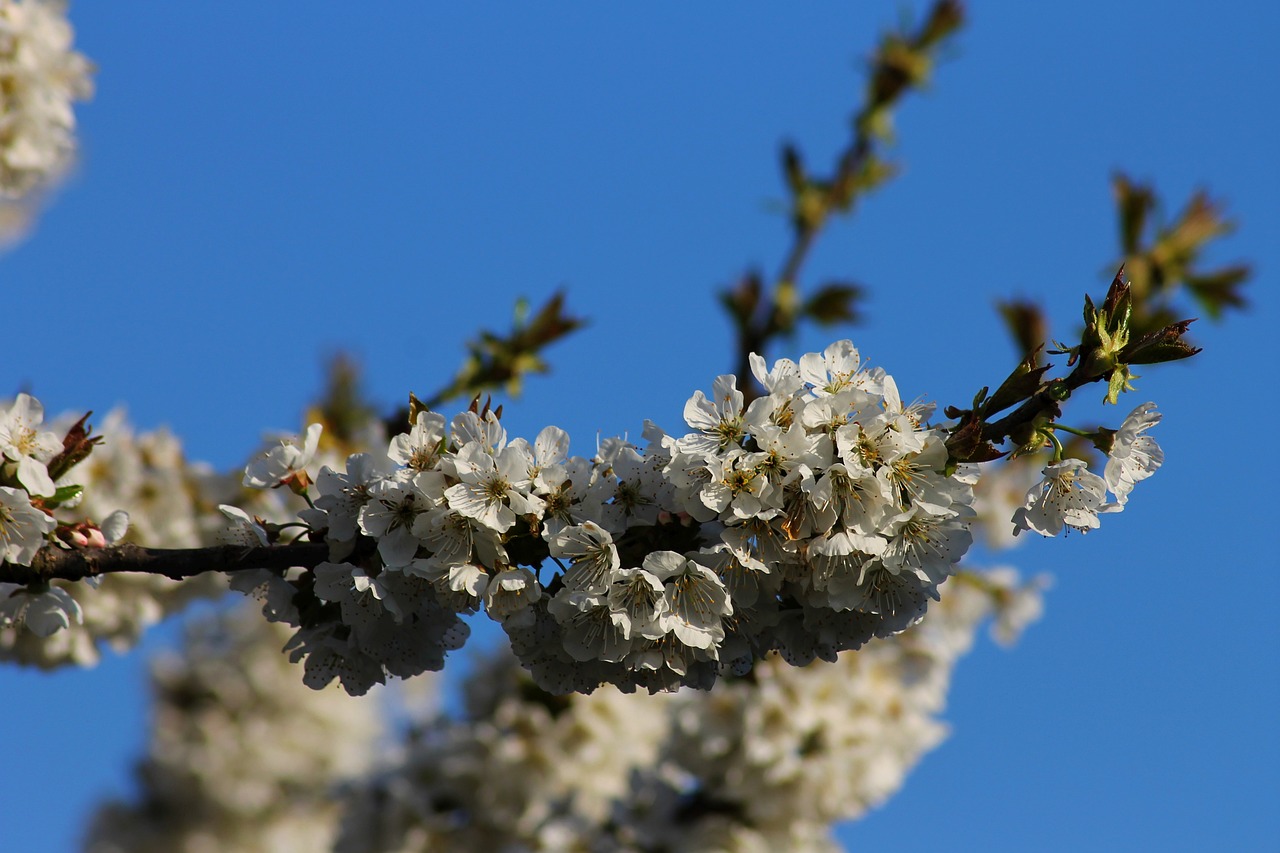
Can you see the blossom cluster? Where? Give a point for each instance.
(792, 749)
(768, 763)
(1072, 496)
(40, 76)
(822, 514)
(25, 451)
(139, 476)
(241, 756)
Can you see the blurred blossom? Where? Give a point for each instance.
(40, 76)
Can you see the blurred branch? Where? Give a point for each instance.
(1027, 324)
(343, 409)
(1158, 266)
(901, 62)
(1171, 257)
(497, 361)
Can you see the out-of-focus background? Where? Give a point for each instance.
(262, 185)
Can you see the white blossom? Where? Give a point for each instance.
(697, 601)
(1070, 495)
(347, 585)
(594, 557)
(23, 528)
(1134, 457)
(510, 593)
(493, 489)
(342, 494)
(839, 368)
(245, 530)
(391, 516)
(421, 448)
(283, 462)
(720, 420)
(43, 612)
(22, 442)
(115, 526)
(638, 602)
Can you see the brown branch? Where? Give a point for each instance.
(80, 563)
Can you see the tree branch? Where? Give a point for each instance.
(178, 563)
(901, 63)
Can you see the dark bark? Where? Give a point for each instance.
(76, 564)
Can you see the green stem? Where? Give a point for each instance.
(1073, 430)
(1058, 449)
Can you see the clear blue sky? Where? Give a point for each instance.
(264, 183)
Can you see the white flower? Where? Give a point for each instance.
(855, 499)
(390, 517)
(422, 448)
(570, 494)
(343, 493)
(639, 490)
(22, 442)
(840, 555)
(283, 463)
(909, 473)
(594, 556)
(344, 583)
(509, 594)
(490, 483)
(1133, 456)
(914, 414)
(459, 586)
(782, 381)
(719, 420)
(470, 428)
(551, 447)
(590, 630)
(115, 526)
(44, 613)
(926, 544)
(22, 527)
(736, 488)
(838, 368)
(1070, 495)
(786, 451)
(696, 599)
(638, 604)
(468, 578)
(899, 598)
(244, 529)
(454, 539)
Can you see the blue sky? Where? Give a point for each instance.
(261, 187)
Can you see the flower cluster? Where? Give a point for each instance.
(819, 516)
(241, 755)
(40, 76)
(768, 763)
(141, 478)
(25, 450)
(1072, 496)
(138, 480)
